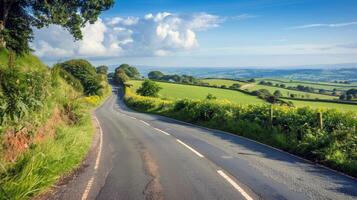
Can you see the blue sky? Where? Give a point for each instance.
(238, 33)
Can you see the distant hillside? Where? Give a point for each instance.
(326, 75)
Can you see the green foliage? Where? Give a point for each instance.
(18, 31)
(21, 93)
(18, 18)
(130, 71)
(149, 88)
(120, 77)
(41, 166)
(155, 75)
(292, 129)
(102, 69)
(235, 86)
(70, 79)
(85, 73)
(278, 94)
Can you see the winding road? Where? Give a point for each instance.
(145, 156)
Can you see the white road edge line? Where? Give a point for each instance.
(234, 184)
(190, 148)
(162, 131)
(144, 122)
(97, 161)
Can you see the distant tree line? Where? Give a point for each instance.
(159, 76)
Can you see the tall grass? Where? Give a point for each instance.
(296, 130)
(43, 165)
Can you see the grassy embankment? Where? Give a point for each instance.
(297, 130)
(176, 91)
(47, 142)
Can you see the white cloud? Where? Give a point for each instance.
(324, 25)
(158, 34)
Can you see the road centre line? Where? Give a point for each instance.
(144, 122)
(162, 131)
(234, 184)
(190, 148)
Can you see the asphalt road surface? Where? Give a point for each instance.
(145, 156)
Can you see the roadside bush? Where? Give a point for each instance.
(86, 74)
(296, 130)
(21, 93)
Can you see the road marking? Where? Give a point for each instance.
(234, 184)
(131, 117)
(162, 131)
(100, 146)
(86, 191)
(97, 161)
(190, 148)
(144, 122)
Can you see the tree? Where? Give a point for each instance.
(120, 77)
(278, 94)
(235, 86)
(85, 73)
(130, 71)
(155, 75)
(149, 88)
(102, 69)
(19, 17)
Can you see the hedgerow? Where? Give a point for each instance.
(297, 130)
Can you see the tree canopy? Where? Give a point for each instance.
(155, 75)
(149, 88)
(85, 73)
(102, 69)
(18, 18)
(130, 71)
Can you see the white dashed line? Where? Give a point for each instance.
(162, 131)
(235, 185)
(147, 124)
(190, 148)
(97, 161)
(131, 117)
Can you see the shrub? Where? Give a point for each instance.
(149, 88)
(21, 93)
(85, 73)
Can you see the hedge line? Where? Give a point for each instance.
(297, 130)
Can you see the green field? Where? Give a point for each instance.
(317, 85)
(220, 82)
(286, 92)
(177, 91)
(324, 105)
(271, 89)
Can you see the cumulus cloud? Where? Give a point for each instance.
(157, 34)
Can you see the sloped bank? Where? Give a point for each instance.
(44, 138)
(328, 137)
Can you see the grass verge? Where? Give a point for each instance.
(45, 162)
